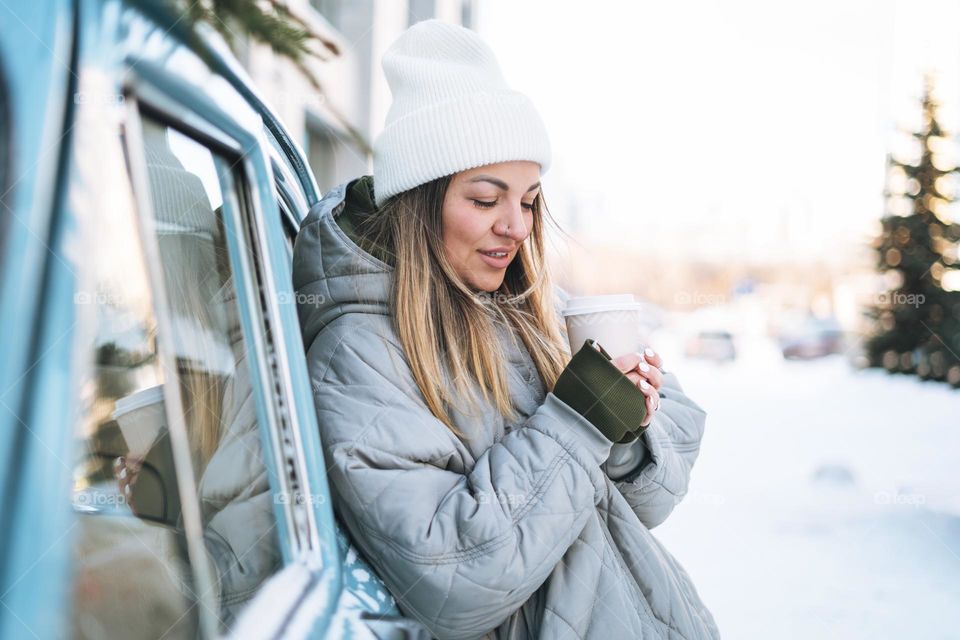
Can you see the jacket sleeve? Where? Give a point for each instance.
(460, 549)
(653, 472)
(236, 501)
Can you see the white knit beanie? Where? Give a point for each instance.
(452, 110)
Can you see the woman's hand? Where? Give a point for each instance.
(125, 471)
(643, 369)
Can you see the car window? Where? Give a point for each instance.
(236, 502)
(282, 162)
(290, 199)
(288, 225)
(133, 576)
(130, 572)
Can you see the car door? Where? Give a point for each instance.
(183, 376)
(161, 318)
(37, 62)
(168, 477)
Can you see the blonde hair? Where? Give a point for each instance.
(199, 270)
(441, 322)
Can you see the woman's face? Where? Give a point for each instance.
(488, 211)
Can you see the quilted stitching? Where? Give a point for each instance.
(408, 490)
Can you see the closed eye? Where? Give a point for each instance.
(484, 204)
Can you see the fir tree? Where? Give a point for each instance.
(272, 23)
(917, 321)
(269, 22)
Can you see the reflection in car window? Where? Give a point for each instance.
(132, 576)
(211, 362)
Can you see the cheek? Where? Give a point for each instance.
(463, 228)
(528, 222)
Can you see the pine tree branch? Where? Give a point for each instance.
(269, 22)
(272, 23)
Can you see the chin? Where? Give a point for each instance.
(488, 286)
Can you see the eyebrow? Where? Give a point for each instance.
(500, 183)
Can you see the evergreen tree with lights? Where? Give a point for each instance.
(917, 319)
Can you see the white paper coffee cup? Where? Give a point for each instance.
(613, 321)
(141, 417)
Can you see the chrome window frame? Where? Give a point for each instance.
(149, 89)
(173, 404)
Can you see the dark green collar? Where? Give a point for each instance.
(359, 206)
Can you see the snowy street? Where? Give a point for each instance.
(825, 502)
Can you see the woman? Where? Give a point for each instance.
(468, 455)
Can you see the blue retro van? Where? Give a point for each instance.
(160, 467)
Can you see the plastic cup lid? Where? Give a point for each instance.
(138, 400)
(597, 304)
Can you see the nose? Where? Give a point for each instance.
(512, 224)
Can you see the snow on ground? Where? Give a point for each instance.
(825, 502)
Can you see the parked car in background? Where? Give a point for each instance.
(811, 338)
(150, 201)
(715, 345)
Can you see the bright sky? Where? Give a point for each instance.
(725, 128)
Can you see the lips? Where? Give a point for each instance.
(500, 249)
(494, 260)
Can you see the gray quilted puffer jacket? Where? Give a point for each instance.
(538, 528)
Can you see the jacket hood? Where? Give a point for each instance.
(332, 274)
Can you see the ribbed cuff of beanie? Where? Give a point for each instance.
(593, 387)
(468, 131)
